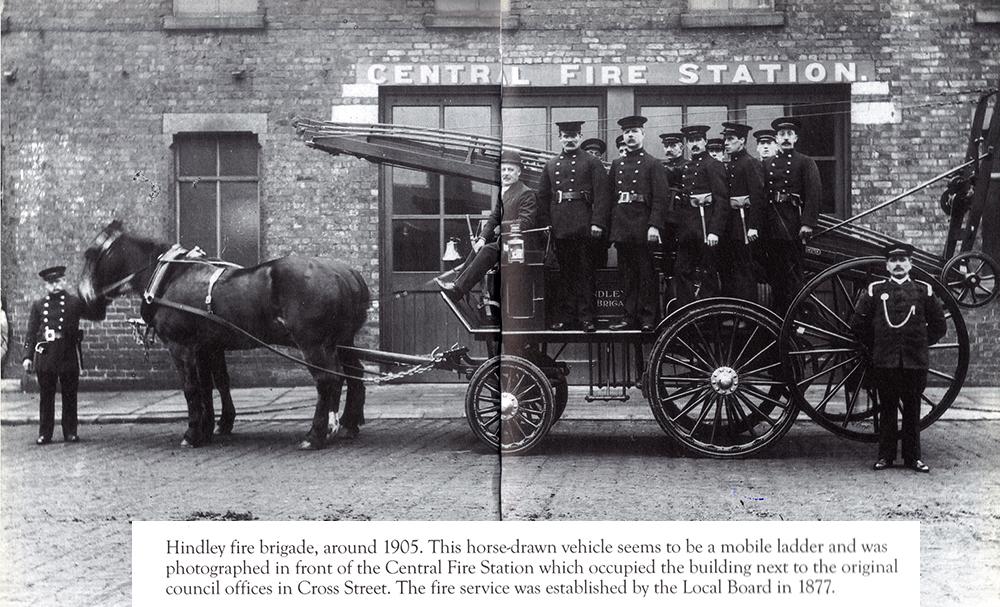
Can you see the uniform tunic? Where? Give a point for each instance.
(52, 341)
(745, 178)
(643, 178)
(574, 194)
(898, 321)
(788, 173)
(696, 273)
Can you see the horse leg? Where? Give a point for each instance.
(220, 377)
(325, 386)
(354, 408)
(205, 393)
(187, 368)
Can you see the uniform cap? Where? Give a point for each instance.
(594, 143)
(715, 144)
(898, 250)
(671, 138)
(510, 157)
(735, 128)
(632, 122)
(53, 274)
(570, 127)
(695, 131)
(619, 141)
(786, 122)
(764, 135)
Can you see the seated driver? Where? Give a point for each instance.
(517, 204)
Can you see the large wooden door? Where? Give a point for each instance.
(421, 213)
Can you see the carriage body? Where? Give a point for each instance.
(724, 377)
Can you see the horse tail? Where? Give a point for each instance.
(364, 301)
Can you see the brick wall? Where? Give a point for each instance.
(94, 78)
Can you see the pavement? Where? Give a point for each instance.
(401, 401)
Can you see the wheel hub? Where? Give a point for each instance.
(508, 406)
(725, 380)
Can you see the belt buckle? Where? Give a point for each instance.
(50, 335)
(560, 199)
(624, 197)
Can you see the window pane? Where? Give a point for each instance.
(474, 120)
(415, 245)
(240, 219)
(238, 6)
(760, 116)
(463, 196)
(456, 228)
(467, 6)
(197, 216)
(711, 115)
(414, 192)
(197, 154)
(524, 126)
(215, 7)
(661, 119)
(708, 5)
(424, 116)
(590, 115)
(238, 155)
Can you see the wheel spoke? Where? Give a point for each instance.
(746, 401)
(683, 363)
(833, 314)
(702, 359)
(851, 402)
(946, 346)
(683, 393)
(824, 332)
(941, 374)
(831, 393)
(809, 380)
(773, 365)
(760, 394)
(713, 361)
(737, 366)
(717, 420)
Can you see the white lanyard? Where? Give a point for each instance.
(885, 308)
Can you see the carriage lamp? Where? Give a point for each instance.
(451, 250)
(515, 245)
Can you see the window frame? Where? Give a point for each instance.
(695, 17)
(217, 180)
(219, 20)
(448, 17)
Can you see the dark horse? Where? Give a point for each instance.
(310, 303)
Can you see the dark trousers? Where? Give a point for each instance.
(576, 279)
(784, 272)
(477, 265)
(635, 265)
(899, 388)
(736, 270)
(695, 272)
(68, 383)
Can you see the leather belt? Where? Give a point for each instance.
(629, 197)
(570, 196)
(52, 335)
(781, 197)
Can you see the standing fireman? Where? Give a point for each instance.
(701, 216)
(899, 319)
(746, 199)
(573, 192)
(639, 203)
(52, 349)
(792, 209)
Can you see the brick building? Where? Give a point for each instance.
(122, 108)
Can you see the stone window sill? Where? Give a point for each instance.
(471, 21)
(760, 18)
(986, 15)
(213, 22)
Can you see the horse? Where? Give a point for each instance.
(310, 303)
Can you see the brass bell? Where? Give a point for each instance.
(451, 251)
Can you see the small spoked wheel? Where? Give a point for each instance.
(971, 279)
(509, 404)
(831, 377)
(714, 381)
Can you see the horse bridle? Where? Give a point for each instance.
(103, 243)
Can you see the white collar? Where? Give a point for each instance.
(898, 281)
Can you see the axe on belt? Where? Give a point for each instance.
(741, 203)
(701, 201)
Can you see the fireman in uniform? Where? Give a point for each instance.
(516, 205)
(573, 193)
(52, 351)
(765, 143)
(746, 199)
(595, 147)
(899, 319)
(620, 145)
(793, 195)
(701, 214)
(638, 218)
(717, 149)
(673, 162)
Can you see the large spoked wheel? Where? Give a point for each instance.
(509, 404)
(830, 373)
(714, 382)
(971, 278)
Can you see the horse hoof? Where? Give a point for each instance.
(224, 431)
(347, 433)
(308, 445)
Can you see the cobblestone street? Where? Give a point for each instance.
(67, 508)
